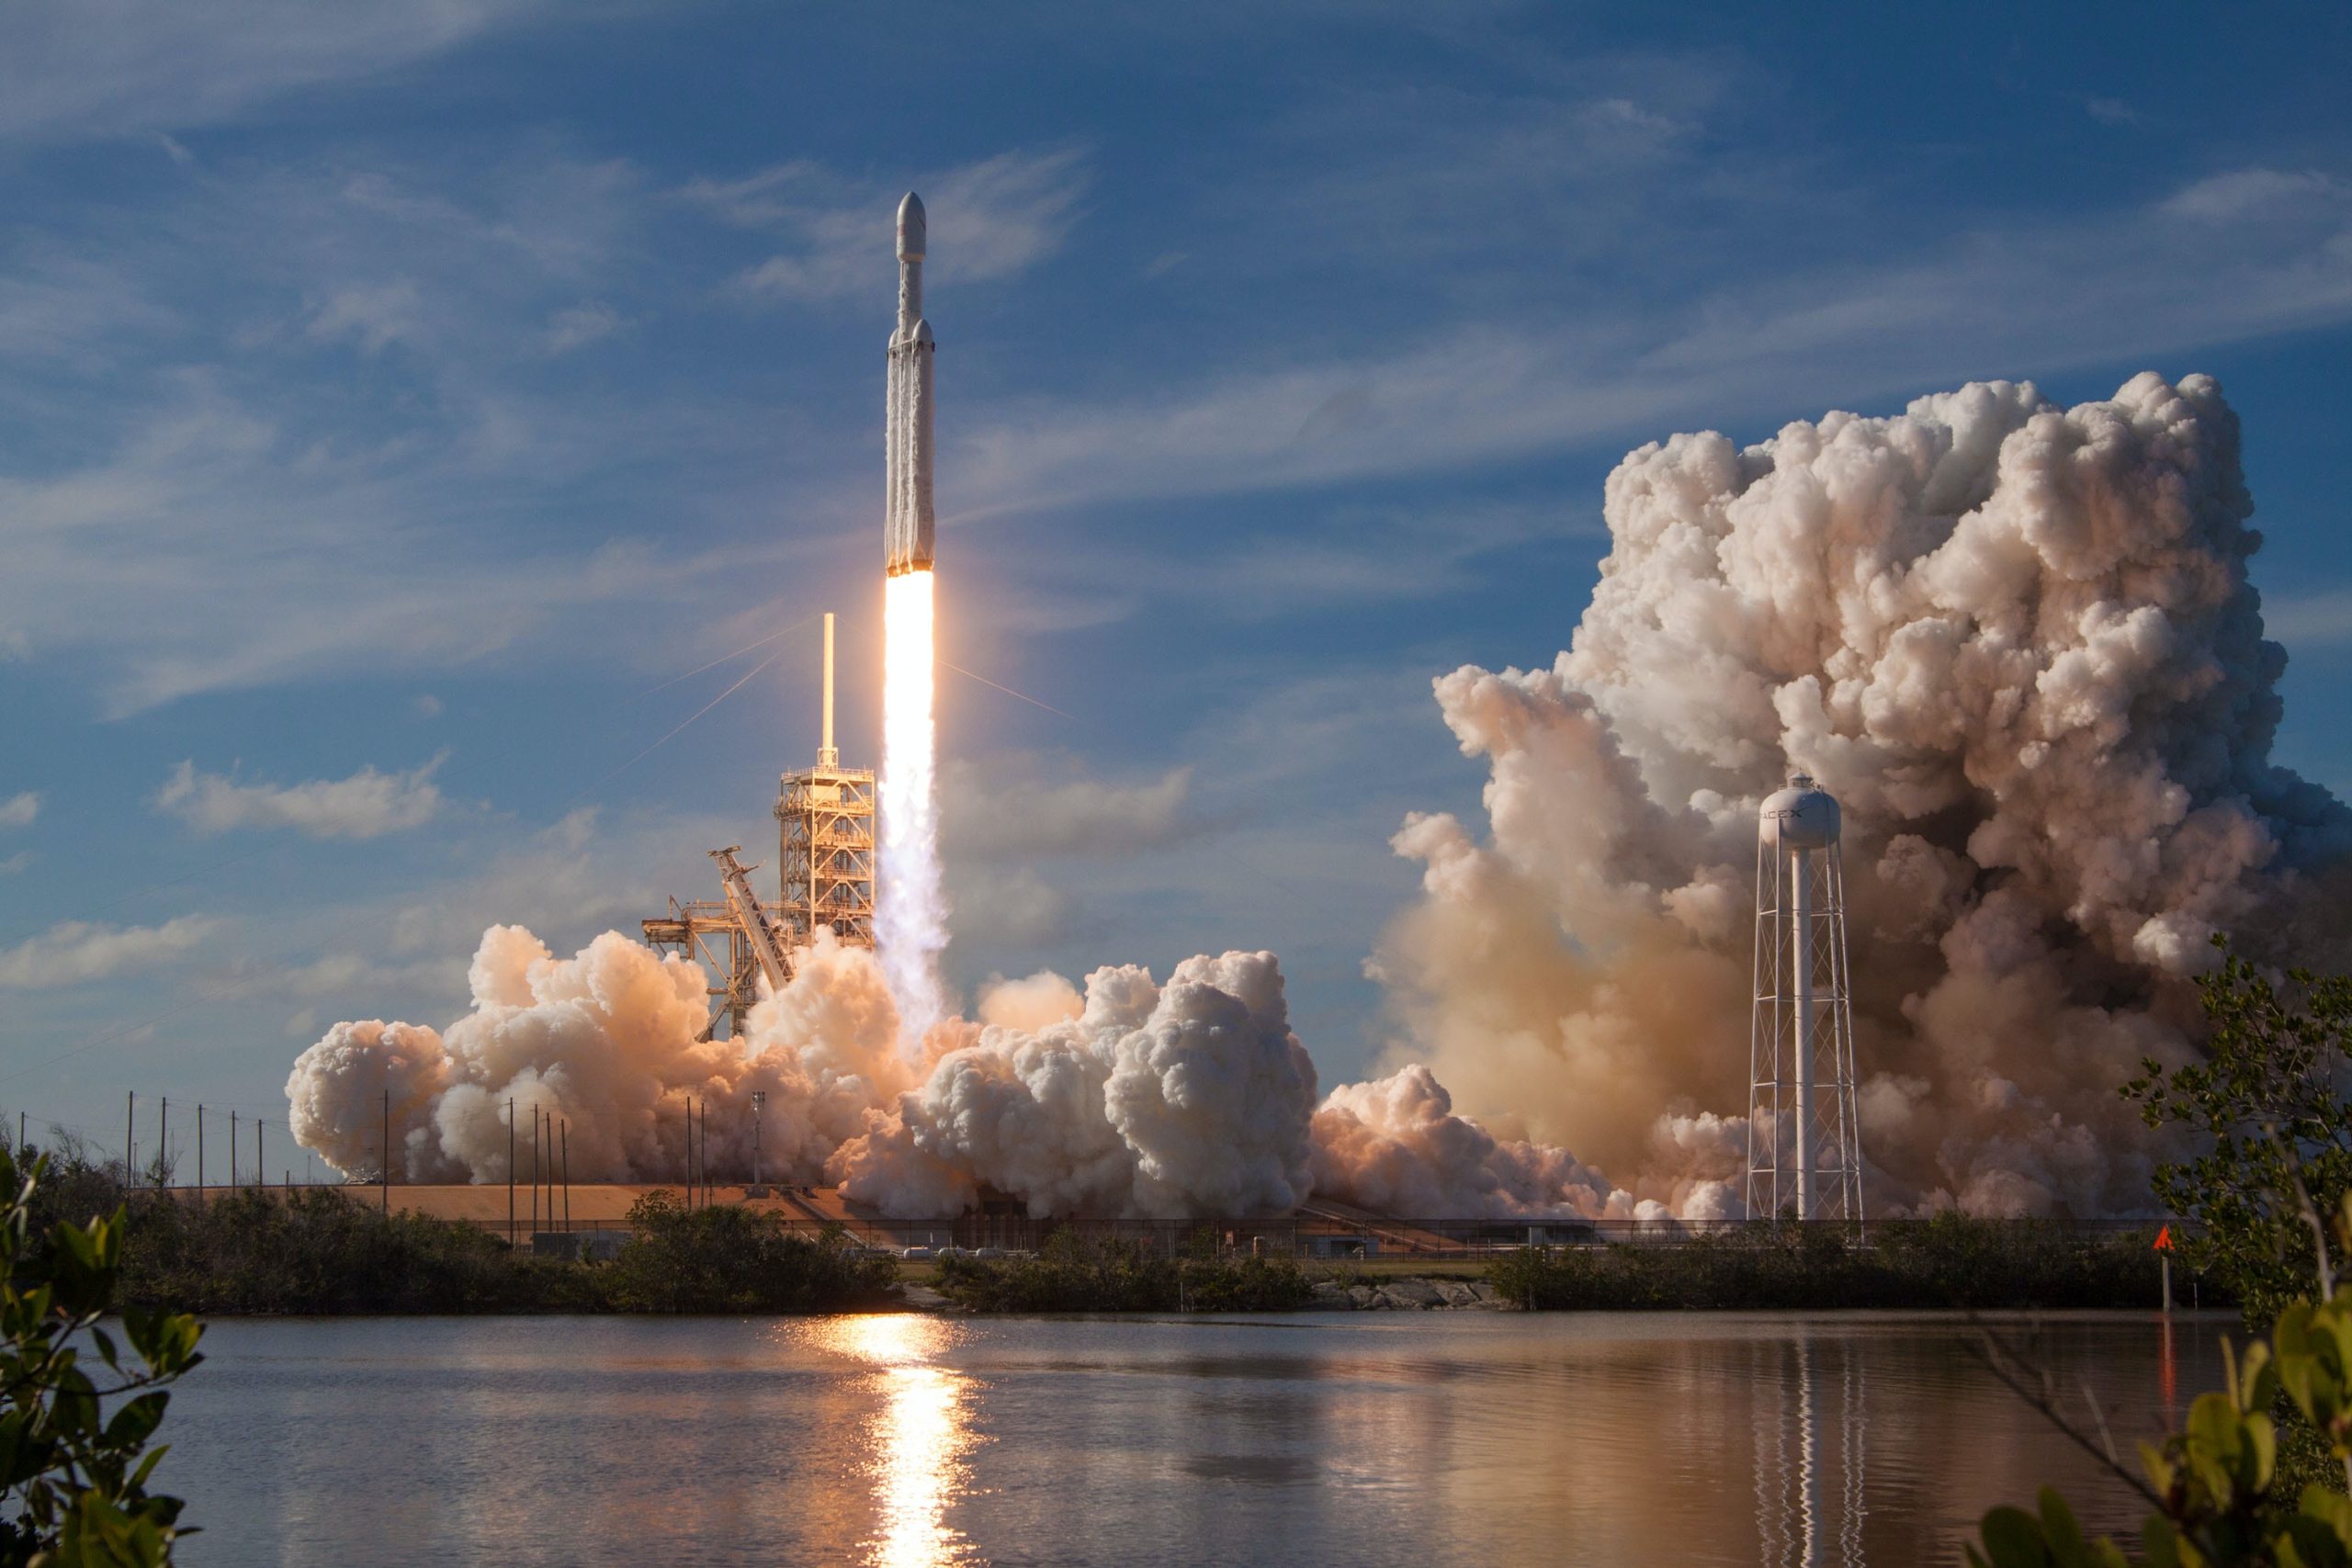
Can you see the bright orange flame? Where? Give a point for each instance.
(921, 1437)
(911, 911)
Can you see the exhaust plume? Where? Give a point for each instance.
(2019, 644)
(910, 906)
(1132, 1097)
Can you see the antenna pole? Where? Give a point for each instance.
(828, 755)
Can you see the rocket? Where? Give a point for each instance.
(906, 520)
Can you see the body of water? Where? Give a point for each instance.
(903, 1439)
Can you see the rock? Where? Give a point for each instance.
(1337, 1300)
(1455, 1293)
(1411, 1295)
(1363, 1296)
(1484, 1293)
(922, 1298)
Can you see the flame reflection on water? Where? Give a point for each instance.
(919, 1440)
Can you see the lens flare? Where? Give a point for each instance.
(910, 910)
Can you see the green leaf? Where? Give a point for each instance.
(136, 1421)
(2013, 1539)
(2058, 1524)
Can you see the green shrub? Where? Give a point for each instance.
(2218, 1493)
(74, 1478)
(1072, 1273)
(1944, 1262)
(325, 1251)
(730, 1258)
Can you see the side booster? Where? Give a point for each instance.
(906, 518)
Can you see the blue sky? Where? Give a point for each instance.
(396, 400)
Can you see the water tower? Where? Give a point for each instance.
(1802, 1150)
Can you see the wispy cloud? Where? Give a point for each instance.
(106, 67)
(992, 218)
(2322, 619)
(579, 325)
(244, 523)
(2049, 297)
(19, 809)
(2242, 194)
(371, 317)
(1014, 809)
(367, 805)
(74, 951)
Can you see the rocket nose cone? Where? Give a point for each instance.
(910, 226)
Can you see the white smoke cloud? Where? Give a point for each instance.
(2019, 644)
(1129, 1098)
(2017, 641)
(1394, 1144)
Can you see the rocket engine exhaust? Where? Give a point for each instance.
(911, 908)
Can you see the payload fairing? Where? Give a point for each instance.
(907, 519)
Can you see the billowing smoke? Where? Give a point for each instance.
(2017, 641)
(1133, 1098)
(2019, 644)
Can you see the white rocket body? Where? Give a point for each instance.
(907, 516)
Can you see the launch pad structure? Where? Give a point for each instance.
(824, 878)
(825, 816)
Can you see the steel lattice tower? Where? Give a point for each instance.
(1804, 1153)
(825, 840)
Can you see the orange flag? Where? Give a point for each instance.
(2164, 1239)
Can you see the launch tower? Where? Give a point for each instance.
(825, 839)
(825, 875)
(1802, 1151)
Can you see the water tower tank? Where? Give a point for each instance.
(1802, 817)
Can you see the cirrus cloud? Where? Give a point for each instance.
(368, 804)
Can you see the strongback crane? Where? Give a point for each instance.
(766, 945)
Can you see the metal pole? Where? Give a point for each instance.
(163, 1138)
(387, 1172)
(129, 1140)
(510, 1172)
(535, 1170)
(232, 1150)
(2166, 1258)
(567, 1174)
(261, 1163)
(199, 1153)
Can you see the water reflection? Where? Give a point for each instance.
(1702, 1441)
(920, 1437)
(1810, 1432)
